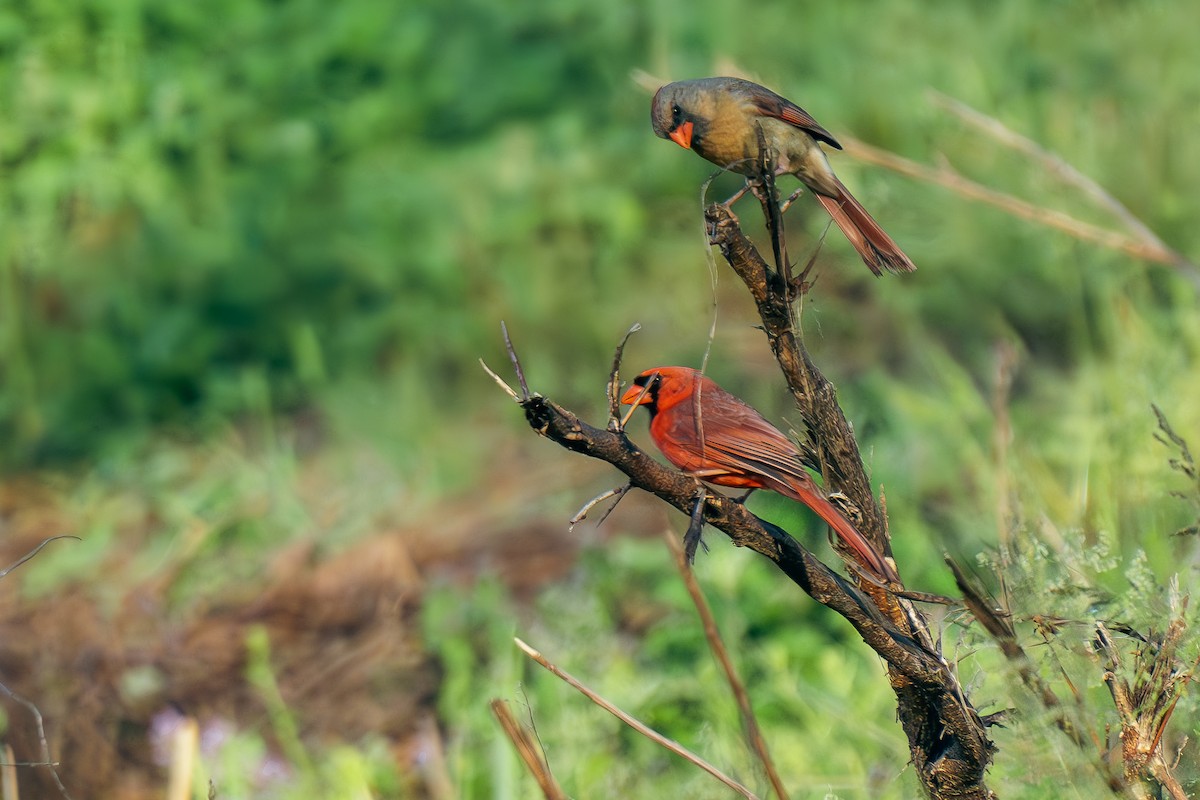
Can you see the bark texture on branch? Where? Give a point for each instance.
(947, 740)
(829, 432)
(948, 743)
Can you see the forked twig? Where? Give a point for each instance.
(516, 362)
(715, 643)
(582, 513)
(649, 733)
(500, 381)
(614, 384)
(43, 745)
(947, 739)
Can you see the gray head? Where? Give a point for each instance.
(665, 112)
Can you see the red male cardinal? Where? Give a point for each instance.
(710, 434)
(719, 118)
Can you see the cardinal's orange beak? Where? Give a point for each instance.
(636, 396)
(682, 135)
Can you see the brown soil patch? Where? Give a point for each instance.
(345, 648)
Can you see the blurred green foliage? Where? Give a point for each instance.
(198, 218)
(246, 209)
(631, 634)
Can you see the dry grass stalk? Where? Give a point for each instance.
(8, 775)
(529, 751)
(649, 733)
(183, 760)
(433, 771)
(1057, 166)
(946, 177)
(721, 653)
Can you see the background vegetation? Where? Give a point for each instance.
(250, 253)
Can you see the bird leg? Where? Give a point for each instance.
(737, 196)
(741, 501)
(692, 539)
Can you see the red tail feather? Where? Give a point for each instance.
(868, 555)
(872, 243)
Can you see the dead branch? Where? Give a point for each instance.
(1145, 693)
(743, 528)
(948, 743)
(828, 432)
(946, 737)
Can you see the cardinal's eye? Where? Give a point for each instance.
(676, 113)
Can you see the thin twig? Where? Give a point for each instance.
(614, 382)
(768, 196)
(715, 643)
(714, 275)
(500, 381)
(8, 775)
(1057, 166)
(998, 624)
(582, 513)
(42, 743)
(516, 362)
(649, 733)
(948, 178)
(34, 552)
(528, 751)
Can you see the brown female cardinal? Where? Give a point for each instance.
(719, 118)
(712, 435)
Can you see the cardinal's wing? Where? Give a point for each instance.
(739, 438)
(772, 105)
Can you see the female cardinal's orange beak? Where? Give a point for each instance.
(682, 135)
(637, 396)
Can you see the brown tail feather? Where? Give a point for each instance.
(877, 249)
